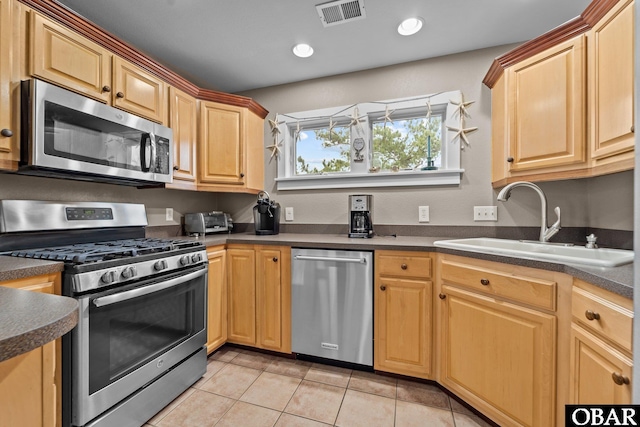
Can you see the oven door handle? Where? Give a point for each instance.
(134, 293)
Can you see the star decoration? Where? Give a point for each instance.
(296, 133)
(275, 149)
(387, 115)
(356, 120)
(461, 107)
(462, 132)
(429, 111)
(275, 130)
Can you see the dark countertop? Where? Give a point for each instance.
(32, 319)
(615, 279)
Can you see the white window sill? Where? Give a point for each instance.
(366, 180)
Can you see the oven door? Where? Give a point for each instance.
(129, 336)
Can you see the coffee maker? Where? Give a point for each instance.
(266, 215)
(360, 223)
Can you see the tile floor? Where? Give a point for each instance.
(251, 389)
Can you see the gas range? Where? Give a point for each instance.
(94, 266)
(141, 333)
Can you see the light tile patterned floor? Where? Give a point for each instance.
(243, 388)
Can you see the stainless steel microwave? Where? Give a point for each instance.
(68, 135)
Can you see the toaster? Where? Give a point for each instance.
(207, 222)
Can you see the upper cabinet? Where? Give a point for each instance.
(562, 104)
(230, 148)
(610, 53)
(9, 117)
(64, 57)
(183, 119)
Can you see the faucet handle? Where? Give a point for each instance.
(591, 241)
(556, 224)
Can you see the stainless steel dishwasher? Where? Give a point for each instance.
(332, 304)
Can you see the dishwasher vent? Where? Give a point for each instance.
(340, 12)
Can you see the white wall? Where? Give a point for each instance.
(583, 202)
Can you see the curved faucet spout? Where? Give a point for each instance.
(545, 232)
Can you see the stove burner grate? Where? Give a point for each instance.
(83, 253)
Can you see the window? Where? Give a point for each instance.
(407, 143)
(401, 142)
(323, 150)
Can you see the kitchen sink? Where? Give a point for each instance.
(551, 252)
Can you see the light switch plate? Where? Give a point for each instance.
(169, 214)
(485, 213)
(288, 214)
(423, 213)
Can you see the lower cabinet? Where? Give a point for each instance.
(216, 298)
(259, 296)
(601, 362)
(498, 353)
(403, 313)
(30, 383)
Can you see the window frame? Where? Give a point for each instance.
(360, 177)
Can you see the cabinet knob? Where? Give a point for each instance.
(510, 159)
(275, 259)
(106, 88)
(403, 266)
(484, 282)
(619, 379)
(383, 288)
(6, 132)
(633, 129)
(241, 175)
(119, 95)
(176, 168)
(442, 296)
(591, 315)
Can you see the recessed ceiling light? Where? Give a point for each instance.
(302, 50)
(410, 26)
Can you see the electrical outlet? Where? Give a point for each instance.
(288, 214)
(423, 213)
(485, 213)
(169, 214)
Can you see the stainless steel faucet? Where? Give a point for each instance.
(545, 232)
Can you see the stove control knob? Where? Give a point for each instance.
(128, 273)
(185, 260)
(109, 277)
(196, 258)
(160, 265)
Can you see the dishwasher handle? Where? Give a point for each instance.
(334, 259)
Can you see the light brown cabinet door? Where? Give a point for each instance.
(222, 134)
(594, 364)
(499, 357)
(9, 136)
(273, 300)
(546, 108)
(30, 383)
(403, 332)
(610, 53)
(65, 58)
(241, 267)
(137, 91)
(217, 300)
(183, 122)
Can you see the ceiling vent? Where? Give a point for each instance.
(340, 12)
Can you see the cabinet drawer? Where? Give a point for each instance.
(609, 320)
(405, 265)
(536, 292)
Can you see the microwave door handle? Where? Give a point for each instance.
(154, 150)
(146, 290)
(145, 141)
